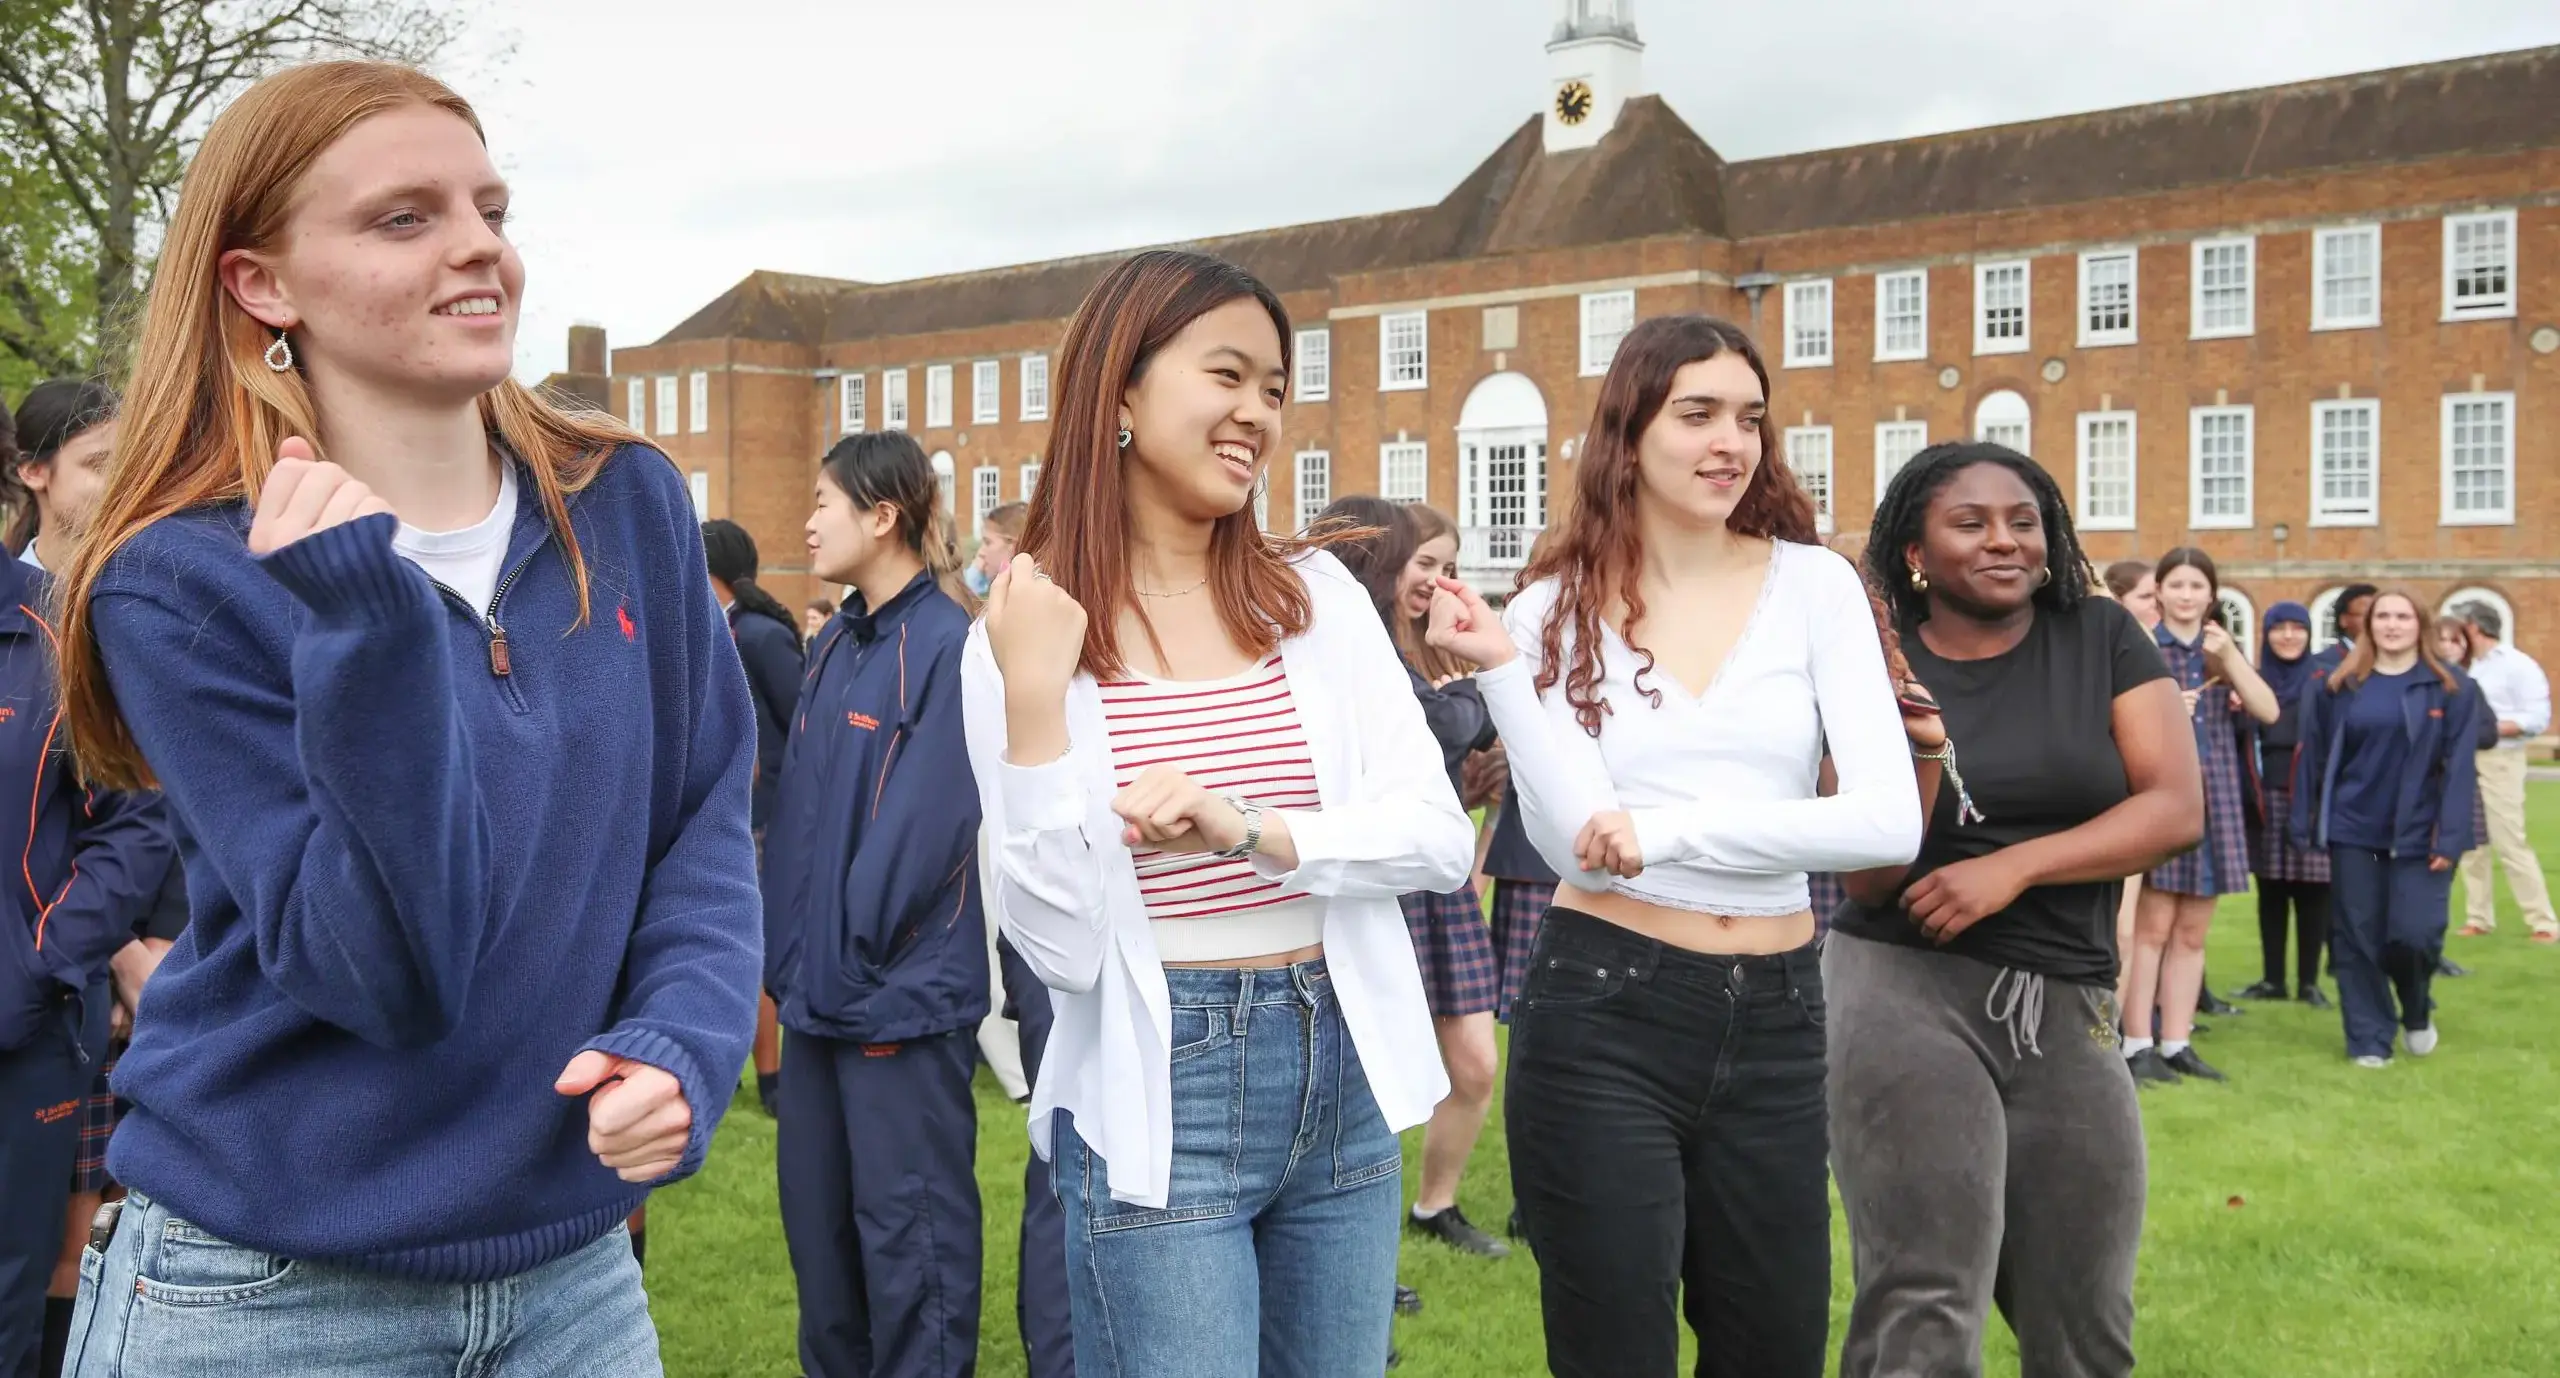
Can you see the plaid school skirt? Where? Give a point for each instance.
(1825, 897)
(1518, 905)
(2272, 855)
(1455, 949)
(2219, 865)
(98, 1114)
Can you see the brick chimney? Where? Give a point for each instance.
(586, 351)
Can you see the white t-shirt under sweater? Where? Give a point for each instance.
(1720, 786)
(467, 561)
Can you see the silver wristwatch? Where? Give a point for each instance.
(1252, 826)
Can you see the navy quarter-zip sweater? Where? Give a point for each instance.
(433, 852)
(874, 930)
(92, 862)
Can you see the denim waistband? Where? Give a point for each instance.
(1303, 983)
(1645, 958)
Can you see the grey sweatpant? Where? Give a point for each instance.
(1988, 1149)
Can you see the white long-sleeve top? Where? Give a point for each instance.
(2517, 691)
(1720, 787)
(1066, 891)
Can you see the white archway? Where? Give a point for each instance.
(947, 478)
(2496, 601)
(2240, 618)
(2324, 627)
(1502, 474)
(2002, 418)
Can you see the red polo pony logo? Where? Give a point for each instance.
(630, 629)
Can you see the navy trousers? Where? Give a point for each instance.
(876, 1148)
(1040, 1297)
(2386, 938)
(42, 1085)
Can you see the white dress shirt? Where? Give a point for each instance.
(2518, 693)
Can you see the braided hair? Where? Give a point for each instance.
(731, 554)
(1905, 508)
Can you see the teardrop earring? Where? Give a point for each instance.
(279, 356)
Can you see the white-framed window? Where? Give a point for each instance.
(2346, 277)
(2346, 440)
(1606, 319)
(986, 393)
(1314, 471)
(946, 480)
(2225, 274)
(697, 404)
(2479, 459)
(698, 483)
(853, 403)
(2107, 285)
(2239, 617)
(667, 405)
(1035, 387)
(1896, 443)
(1404, 471)
(2000, 307)
(1313, 360)
(1262, 502)
(635, 404)
(2324, 617)
(986, 491)
(2222, 448)
(2106, 471)
(2480, 265)
(1404, 351)
(1809, 324)
(1902, 315)
(2002, 418)
(937, 395)
(893, 400)
(1809, 455)
(1030, 479)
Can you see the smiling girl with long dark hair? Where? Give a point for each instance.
(1207, 781)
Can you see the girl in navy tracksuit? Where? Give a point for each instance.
(2385, 781)
(875, 945)
(437, 691)
(92, 865)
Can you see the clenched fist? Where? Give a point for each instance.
(303, 495)
(1035, 629)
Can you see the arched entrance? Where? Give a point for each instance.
(2002, 419)
(1502, 475)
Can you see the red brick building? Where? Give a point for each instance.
(2312, 328)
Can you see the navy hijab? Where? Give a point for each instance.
(2286, 677)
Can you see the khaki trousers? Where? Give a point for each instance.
(2502, 777)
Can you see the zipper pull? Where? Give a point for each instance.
(499, 663)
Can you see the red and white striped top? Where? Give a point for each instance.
(1239, 735)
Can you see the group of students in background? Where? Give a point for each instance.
(2351, 830)
(506, 836)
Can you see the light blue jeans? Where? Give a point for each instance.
(167, 1300)
(1275, 1255)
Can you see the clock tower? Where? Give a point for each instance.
(1594, 63)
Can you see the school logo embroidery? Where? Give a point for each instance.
(630, 629)
(880, 1050)
(7, 712)
(2102, 1031)
(864, 721)
(56, 1114)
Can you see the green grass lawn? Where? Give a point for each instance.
(2309, 1218)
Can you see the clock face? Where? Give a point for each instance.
(1573, 102)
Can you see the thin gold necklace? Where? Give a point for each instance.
(1195, 588)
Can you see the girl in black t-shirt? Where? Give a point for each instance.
(1982, 1123)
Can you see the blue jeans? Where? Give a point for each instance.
(1278, 1239)
(166, 1300)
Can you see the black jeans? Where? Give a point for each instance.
(1665, 1112)
(2309, 902)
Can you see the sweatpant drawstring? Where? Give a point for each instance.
(2022, 1011)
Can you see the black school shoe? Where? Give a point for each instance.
(2312, 996)
(1408, 1301)
(2264, 990)
(1451, 1227)
(2446, 967)
(2209, 1003)
(2186, 1064)
(2151, 1069)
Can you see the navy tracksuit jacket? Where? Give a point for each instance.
(876, 955)
(90, 869)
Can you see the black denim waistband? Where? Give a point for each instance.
(1644, 959)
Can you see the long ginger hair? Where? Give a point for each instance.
(204, 414)
(1597, 556)
(1078, 528)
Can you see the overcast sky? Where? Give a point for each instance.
(662, 149)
